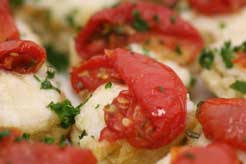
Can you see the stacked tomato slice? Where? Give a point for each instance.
(15, 54)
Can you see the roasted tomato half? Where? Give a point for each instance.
(153, 26)
(15, 150)
(215, 7)
(151, 113)
(15, 54)
(224, 120)
(205, 155)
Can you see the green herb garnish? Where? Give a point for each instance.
(70, 18)
(189, 155)
(192, 81)
(66, 112)
(25, 136)
(145, 51)
(4, 133)
(156, 18)
(173, 19)
(16, 3)
(178, 50)
(222, 25)
(46, 84)
(138, 23)
(97, 106)
(50, 73)
(239, 86)
(240, 48)
(62, 142)
(83, 134)
(108, 85)
(206, 58)
(161, 89)
(227, 54)
(48, 140)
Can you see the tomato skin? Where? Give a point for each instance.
(17, 55)
(224, 120)
(38, 153)
(240, 60)
(214, 7)
(155, 118)
(8, 30)
(87, 46)
(21, 56)
(168, 3)
(207, 155)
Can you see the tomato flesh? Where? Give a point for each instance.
(17, 55)
(114, 28)
(207, 155)
(21, 56)
(8, 30)
(215, 7)
(23, 152)
(151, 113)
(224, 120)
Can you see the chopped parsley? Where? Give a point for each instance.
(62, 142)
(145, 51)
(156, 18)
(70, 18)
(48, 140)
(173, 19)
(191, 134)
(240, 48)
(16, 3)
(138, 23)
(206, 58)
(108, 85)
(189, 155)
(222, 25)
(57, 59)
(239, 86)
(192, 81)
(161, 89)
(83, 134)
(66, 112)
(50, 73)
(46, 84)
(25, 136)
(227, 54)
(97, 106)
(4, 133)
(178, 50)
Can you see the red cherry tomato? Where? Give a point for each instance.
(138, 23)
(224, 120)
(152, 112)
(8, 30)
(21, 56)
(211, 154)
(168, 3)
(17, 55)
(213, 7)
(240, 60)
(37, 153)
